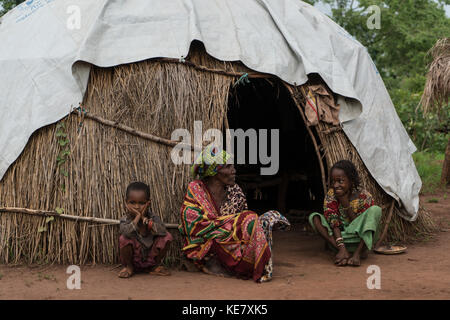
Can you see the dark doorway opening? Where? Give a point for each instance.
(296, 188)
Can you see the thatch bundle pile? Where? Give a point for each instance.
(82, 166)
(437, 92)
(437, 87)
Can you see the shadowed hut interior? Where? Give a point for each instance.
(294, 187)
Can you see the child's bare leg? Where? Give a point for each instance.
(126, 258)
(323, 232)
(161, 253)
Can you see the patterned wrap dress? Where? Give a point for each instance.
(239, 238)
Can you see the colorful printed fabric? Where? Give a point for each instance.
(364, 227)
(270, 220)
(209, 162)
(141, 261)
(235, 201)
(129, 230)
(335, 213)
(236, 236)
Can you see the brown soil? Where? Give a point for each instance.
(302, 270)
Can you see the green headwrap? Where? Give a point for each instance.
(209, 162)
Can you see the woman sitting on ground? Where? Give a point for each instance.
(350, 220)
(221, 236)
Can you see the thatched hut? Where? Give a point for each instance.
(60, 200)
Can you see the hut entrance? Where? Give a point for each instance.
(296, 188)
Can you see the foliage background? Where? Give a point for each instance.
(409, 28)
(6, 5)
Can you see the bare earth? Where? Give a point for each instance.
(302, 270)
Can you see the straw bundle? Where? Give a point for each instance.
(437, 91)
(437, 87)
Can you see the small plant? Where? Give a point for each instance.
(44, 227)
(63, 142)
(433, 200)
(49, 277)
(1, 276)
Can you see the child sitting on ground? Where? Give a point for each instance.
(351, 218)
(143, 238)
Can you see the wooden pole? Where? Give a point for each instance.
(44, 213)
(144, 135)
(445, 176)
(255, 75)
(332, 130)
(319, 158)
(386, 224)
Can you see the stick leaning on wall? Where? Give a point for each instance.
(68, 216)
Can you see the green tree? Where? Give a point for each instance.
(6, 5)
(408, 30)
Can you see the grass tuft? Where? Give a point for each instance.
(429, 167)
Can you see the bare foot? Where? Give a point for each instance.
(126, 272)
(355, 260)
(160, 271)
(342, 263)
(341, 257)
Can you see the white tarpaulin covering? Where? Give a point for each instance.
(42, 75)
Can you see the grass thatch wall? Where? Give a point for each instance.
(150, 96)
(153, 97)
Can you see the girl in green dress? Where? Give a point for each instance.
(350, 219)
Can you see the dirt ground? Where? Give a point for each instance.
(302, 270)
